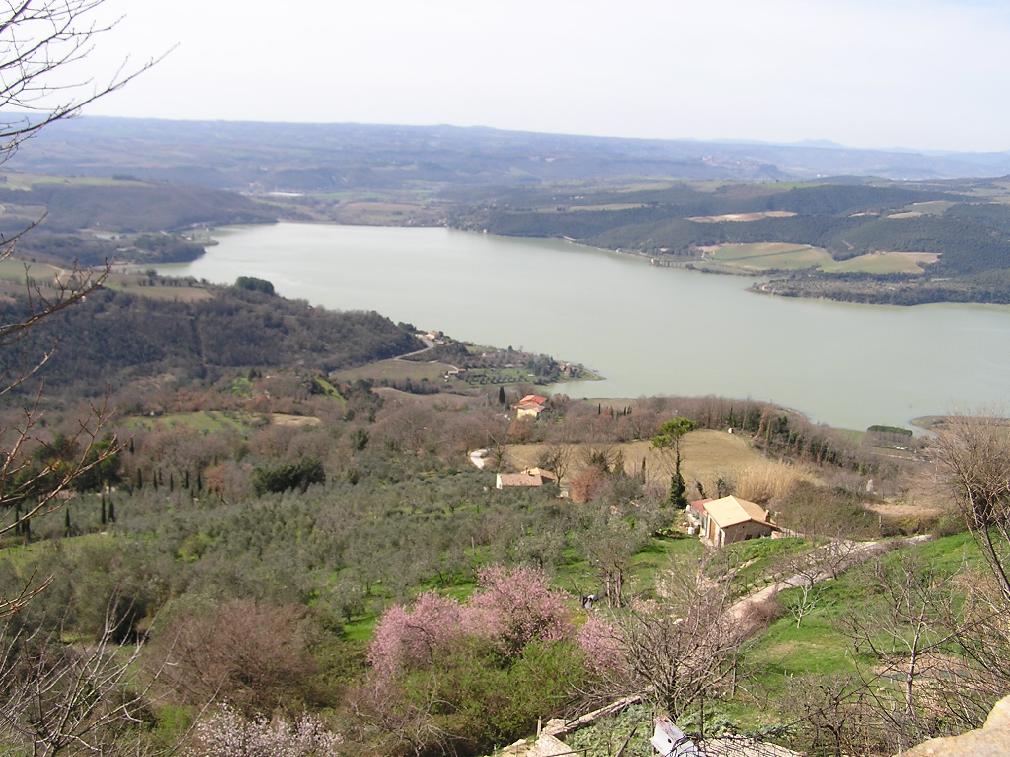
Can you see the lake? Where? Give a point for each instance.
(648, 330)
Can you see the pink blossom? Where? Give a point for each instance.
(601, 643)
(517, 606)
(406, 638)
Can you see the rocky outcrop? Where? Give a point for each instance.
(991, 740)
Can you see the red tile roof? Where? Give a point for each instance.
(533, 399)
(699, 505)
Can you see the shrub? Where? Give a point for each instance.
(227, 734)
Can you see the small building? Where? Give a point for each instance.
(519, 479)
(731, 519)
(545, 474)
(530, 406)
(696, 511)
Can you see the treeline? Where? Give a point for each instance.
(846, 219)
(132, 207)
(92, 251)
(119, 336)
(991, 287)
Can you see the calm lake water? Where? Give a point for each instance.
(648, 330)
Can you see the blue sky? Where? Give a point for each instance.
(923, 75)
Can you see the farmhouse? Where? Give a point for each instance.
(530, 406)
(730, 519)
(526, 477)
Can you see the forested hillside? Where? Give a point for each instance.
(118, 336)
(963, 226)
(121, 205)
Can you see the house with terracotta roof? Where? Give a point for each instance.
(530, 406)
(731, 519)
(519, 479)
(526, 477)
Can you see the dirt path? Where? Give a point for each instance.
(861, 552)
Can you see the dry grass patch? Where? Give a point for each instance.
(769, 479)
(742, 217)
(707, 456)
(294, 421)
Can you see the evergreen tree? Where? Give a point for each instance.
(502, 399)
(112, 512)
(668, 439)
(66, 521)
(677, 489)
(185, 479)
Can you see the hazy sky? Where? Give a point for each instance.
(923, 74)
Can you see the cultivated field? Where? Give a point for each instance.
(767, 256)
(130, 285)
(883, 263)
(396, 370)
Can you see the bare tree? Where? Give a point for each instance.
(41, 44)
(805, 571)
(556, 458)
(55, 698)
(681, 652)
(900, 629)
(973, 456)
(71, 699)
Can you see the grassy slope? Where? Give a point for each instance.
(883, 263)
(820, 645)
(765, 256)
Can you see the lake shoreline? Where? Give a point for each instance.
(668, 331)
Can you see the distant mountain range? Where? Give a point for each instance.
(312, 158)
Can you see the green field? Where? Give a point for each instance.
(206, 421)
(768, 256)
(397, 370)
(14, 270)
(25, 181)
(820, 644)
(883, 263)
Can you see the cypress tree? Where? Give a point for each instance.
(131, 445)
(112, 513)
(502, 399)
(66, 521)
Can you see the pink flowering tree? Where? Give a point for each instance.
(407, 638)
(516, 606)
(603, 646)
